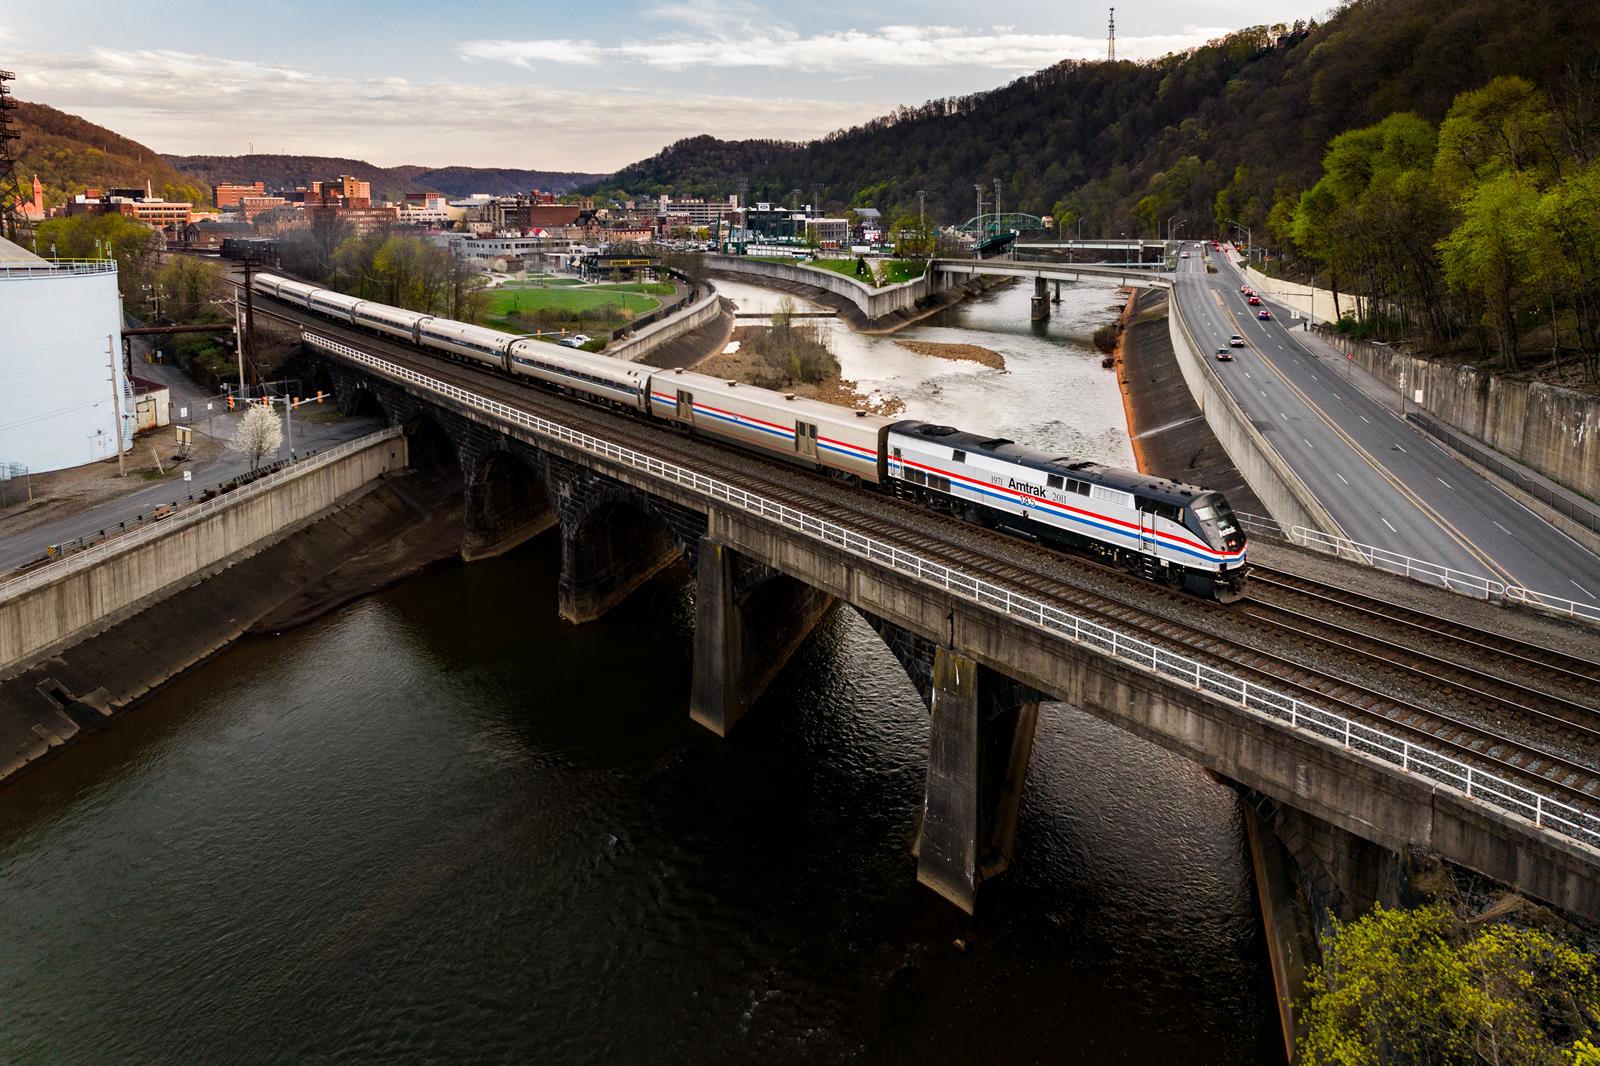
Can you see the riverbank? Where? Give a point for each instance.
(376, 536)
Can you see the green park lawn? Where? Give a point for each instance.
(899, 269)
(567, 299)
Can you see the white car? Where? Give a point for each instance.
(577, 340)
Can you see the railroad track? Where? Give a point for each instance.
(1514, 654)
(1490, 749)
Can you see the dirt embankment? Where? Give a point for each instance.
(967, 352)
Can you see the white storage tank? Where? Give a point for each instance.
(56, 321)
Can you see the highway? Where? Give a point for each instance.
(1384, 483)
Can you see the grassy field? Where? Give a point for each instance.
(898, 269)
(525, 308)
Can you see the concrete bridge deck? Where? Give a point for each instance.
(984, 651)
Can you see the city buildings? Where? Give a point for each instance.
(229, 194)
(142, 204)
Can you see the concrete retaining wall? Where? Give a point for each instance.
(84, 598)
(1316, 304)
(1286, 497)
(1556, 431)
(873, 302)
(651, 337)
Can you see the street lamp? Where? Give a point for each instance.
(1250, 244)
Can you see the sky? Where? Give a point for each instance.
(547, 86)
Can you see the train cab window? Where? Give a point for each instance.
(958, 456)
(1055, 481)
(1080, 487)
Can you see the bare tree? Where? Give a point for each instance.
(260, 433)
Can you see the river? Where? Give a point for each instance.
(442, 824)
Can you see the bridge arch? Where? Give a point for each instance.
(507, 503)
(611, 543)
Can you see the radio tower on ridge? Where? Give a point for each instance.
(1111, 37)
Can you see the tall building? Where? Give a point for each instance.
(228, 193)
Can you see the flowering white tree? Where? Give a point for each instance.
(260, 433)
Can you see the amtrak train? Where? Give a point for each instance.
(1176, 534)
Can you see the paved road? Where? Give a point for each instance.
(19, 548)
(1385, 483)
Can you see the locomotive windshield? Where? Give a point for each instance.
(1216, 522)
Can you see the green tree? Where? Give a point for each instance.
(1505, 127)
(1416, 987)
(1494, 255)
(132, 244)
(187, 286)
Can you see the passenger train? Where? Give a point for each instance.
(1176, 534)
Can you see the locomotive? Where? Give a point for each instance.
(1177, 534)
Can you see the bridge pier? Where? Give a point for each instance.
(1057, 298)
(1041, 299)
(980, 737)
(749, 620)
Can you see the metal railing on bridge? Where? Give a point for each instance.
(1544, 813)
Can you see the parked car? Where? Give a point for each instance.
(1236, 341)
(1263, 314)
(577, 340)
(1225, 355)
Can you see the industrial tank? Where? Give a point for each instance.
(60, 322)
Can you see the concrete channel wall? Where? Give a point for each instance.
(1555, 431)
(51, 607)
(873, 302)
(1288, 499)
(651, 337)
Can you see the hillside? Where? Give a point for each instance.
(1246, 119)
(700, 166)
(70, 154)
(388, 183)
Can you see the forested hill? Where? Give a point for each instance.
(70, 154)
(1248, 117)
(699, 166)
(388, 183)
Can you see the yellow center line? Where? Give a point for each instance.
(1421, 505)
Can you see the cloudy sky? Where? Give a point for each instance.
(568, 86)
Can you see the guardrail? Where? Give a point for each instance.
(1545, 814)
(1583, 513)
(54, 268)
(55, 571)
(1475, 585)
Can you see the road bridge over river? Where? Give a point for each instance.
(987, 626)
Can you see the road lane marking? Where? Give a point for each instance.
(1313, 447)
(1341, 477)
(1385, 521)
(1503, 529)
(1363, 418)
(1581, 589)
(1443, 482)
(1444, 525)
(1401, 449)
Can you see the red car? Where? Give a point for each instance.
(1263, 314)
(1244, 290)
(1254, 301)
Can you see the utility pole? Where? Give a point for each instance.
(1111, 37)
(116, 401)
(249, 319)
(979, 187)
